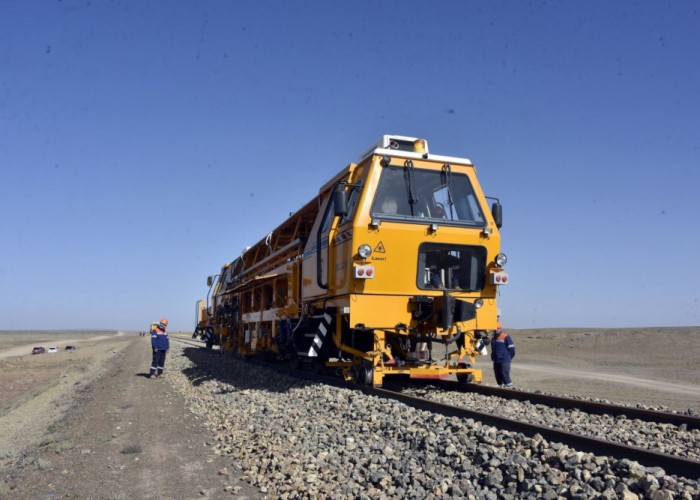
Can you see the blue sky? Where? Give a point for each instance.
(145, 144)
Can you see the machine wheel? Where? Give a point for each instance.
(465, 381)
(362, 374)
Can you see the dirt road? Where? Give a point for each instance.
(131, 437)
(692, 392)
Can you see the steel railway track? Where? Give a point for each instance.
(671, 464)
(592, 407)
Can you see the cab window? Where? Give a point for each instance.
(421, 195)
(443, 266)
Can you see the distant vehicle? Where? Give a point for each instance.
(53, 349)
(70, 348)
(38, 350)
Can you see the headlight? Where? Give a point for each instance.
(501, 259)
(478, 303)
(364, 251)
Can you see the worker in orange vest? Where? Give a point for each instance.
(160, 345)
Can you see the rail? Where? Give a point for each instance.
(672, 464)
(593, 407)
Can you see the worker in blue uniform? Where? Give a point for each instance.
(502, 353)
(160, 345)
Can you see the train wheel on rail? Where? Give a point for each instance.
(362, 374)
(465, 381)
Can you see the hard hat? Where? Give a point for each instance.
(164, 321)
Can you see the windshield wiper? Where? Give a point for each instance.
(409, 174)
(446, 176)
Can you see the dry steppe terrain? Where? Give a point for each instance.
(649, 366)
(87, 423)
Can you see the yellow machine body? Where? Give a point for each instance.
(393, 269)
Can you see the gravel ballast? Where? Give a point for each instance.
(663, 438)
(295, 439)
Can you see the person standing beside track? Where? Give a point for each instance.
(502, 353)
(160, 345)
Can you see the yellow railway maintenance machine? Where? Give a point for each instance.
(393, 269)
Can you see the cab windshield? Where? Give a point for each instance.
(433, 196)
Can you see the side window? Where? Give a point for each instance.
(353, 196)
(330, 213)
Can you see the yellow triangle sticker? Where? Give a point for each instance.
(380, 248)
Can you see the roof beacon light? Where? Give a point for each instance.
(420, 146)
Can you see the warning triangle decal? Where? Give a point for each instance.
(380, 248)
